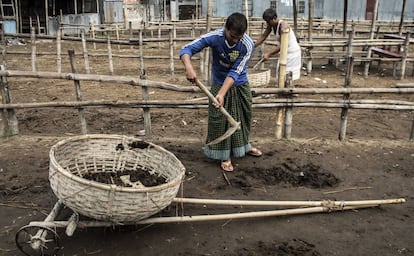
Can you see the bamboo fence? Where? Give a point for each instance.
(288, 97)
(329, 44)
(167, 36)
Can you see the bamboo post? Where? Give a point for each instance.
(33, 42)
(84, 129)
(348, 77)
(371, 36)
(206, 51)
(59, 50)
(3, 56)
(117, 35)
(400, 27)
(145, 91)
(295, 16)
(281, 80)
(289, 110)
(405, 55)
(345, 17)
(85, 52)
(92, 28)
(110, 61)
(9, 124)
(159, 34)
(130, 32)
(310, 19)
(192, 34)
(141, 52)
(174, 35)
(171, 44)
(262, 46)
(331, 48)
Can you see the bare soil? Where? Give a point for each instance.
(374, 162)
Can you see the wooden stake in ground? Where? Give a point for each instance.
(84, 129)
(282, 78)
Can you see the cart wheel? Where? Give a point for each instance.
(37, 240)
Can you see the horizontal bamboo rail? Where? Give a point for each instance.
(168, 86)
(355, 104)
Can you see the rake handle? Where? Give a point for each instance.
(212, 98)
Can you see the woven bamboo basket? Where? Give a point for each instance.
(258, 78)
(72, 158)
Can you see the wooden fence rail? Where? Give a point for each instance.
(289, 97)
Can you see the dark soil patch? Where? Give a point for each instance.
(142, 175)
(295, 247)
(290, 173)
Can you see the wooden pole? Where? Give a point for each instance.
(145, 91)
(345, 17)
(400, 27)
(286, 203)
(371, 36)
(159, 34)
(92, 28)
(405, 55)
(33, 42)
(281, 80)
(295, 16)
(117, 35)
(171, 44)
(310, 19)
(84, 129)
(110, 61)
(246, 9)
(288, 110)
(59, 50)
(85, 52)
(310, 24)
(348, 82)
(46, 17)
(9, 124)
(207, 50)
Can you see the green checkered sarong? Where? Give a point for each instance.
(238, 102)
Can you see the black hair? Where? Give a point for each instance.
(269, 14)
(237, 23)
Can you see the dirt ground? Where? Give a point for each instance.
(374, 162)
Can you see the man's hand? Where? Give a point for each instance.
(220, 101)
(266, 56)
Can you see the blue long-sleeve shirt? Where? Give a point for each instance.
(227, 60)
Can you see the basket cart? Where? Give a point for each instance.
(74, 160)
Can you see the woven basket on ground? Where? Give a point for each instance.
(72, 158)
(259, 78)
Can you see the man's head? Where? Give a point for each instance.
(269, 15)
(236, 26)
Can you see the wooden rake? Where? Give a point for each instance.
(234, 124)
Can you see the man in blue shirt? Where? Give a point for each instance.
(231, 50)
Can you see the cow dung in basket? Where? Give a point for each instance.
(114, 178)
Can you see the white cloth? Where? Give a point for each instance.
(294, 54)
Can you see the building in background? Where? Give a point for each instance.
(45, 16)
